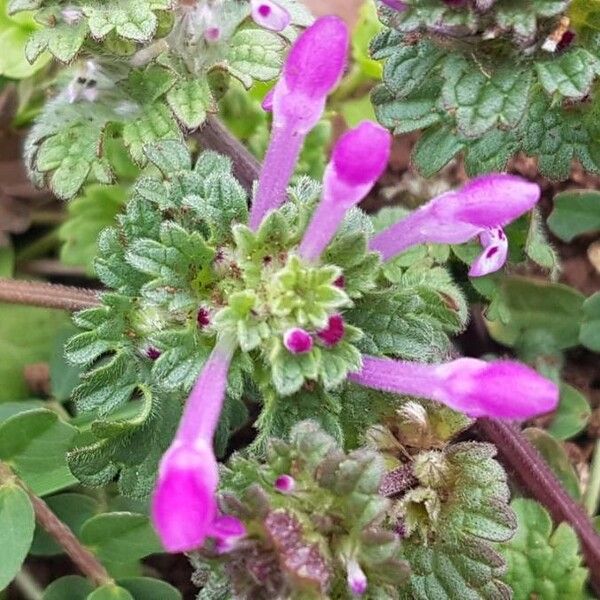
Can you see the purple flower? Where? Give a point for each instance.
(357, 580)
(314, 66)
(502, 389)
(333, 334)
(184, 509)
(359, 158)
(481, 208)
(285, 484)
(270, 15)
(227, 531)
(298, 341)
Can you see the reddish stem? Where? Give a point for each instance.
(532, 472)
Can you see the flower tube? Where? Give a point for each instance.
(359, 158)
(184, 508)
(481, 208)
(501, 389)
(312, 69)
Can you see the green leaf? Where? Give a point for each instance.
(17, 522)
(556, 456)
(120, 536)
(532, 305)
(460, 507)
(146, 588)
(35, 444)
(110, 592)
(64, 377)
(88, 215)
(191, 100)
(69, 155)
(570, 75)
(481, 100)
(573, 414)
(589, 335)
(255, 54)
(131, 19)
(155, 123)
(436, 149)
(73, 510)
(71, 587)
(14, 34)
(18, 350)
(575, 212)
(63, 41)
(541, 562)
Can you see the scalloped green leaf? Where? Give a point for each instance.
(35, 444)
(543, 562)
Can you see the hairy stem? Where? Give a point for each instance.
(592, 493)
(47, 295)
(28, 586)
(215, 136)
(85, 561)
(534, 475)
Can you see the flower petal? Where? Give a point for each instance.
(494, 255)
(491, 201)
(184, 504)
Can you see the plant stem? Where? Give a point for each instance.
(532, 472)
(87, 563)
(215, 136)
(28, 586)
(47, 295)
(591, 498)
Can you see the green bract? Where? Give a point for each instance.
(182, 267)
(492, 83)
(141, 72)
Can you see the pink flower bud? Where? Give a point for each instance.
(357, 580)
(359, 158)
(285, 484)
(270, 15)
(298, 341)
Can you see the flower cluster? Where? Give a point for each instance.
(305, 299)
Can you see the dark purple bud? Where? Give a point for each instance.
(153, 353)
(334, 332)
(203, 317)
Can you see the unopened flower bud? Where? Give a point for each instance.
(298, 341)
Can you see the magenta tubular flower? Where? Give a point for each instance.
(270, 15)
(314, 66)
(481, 208)
(502, 389)
(184, 508)
(359, 158)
